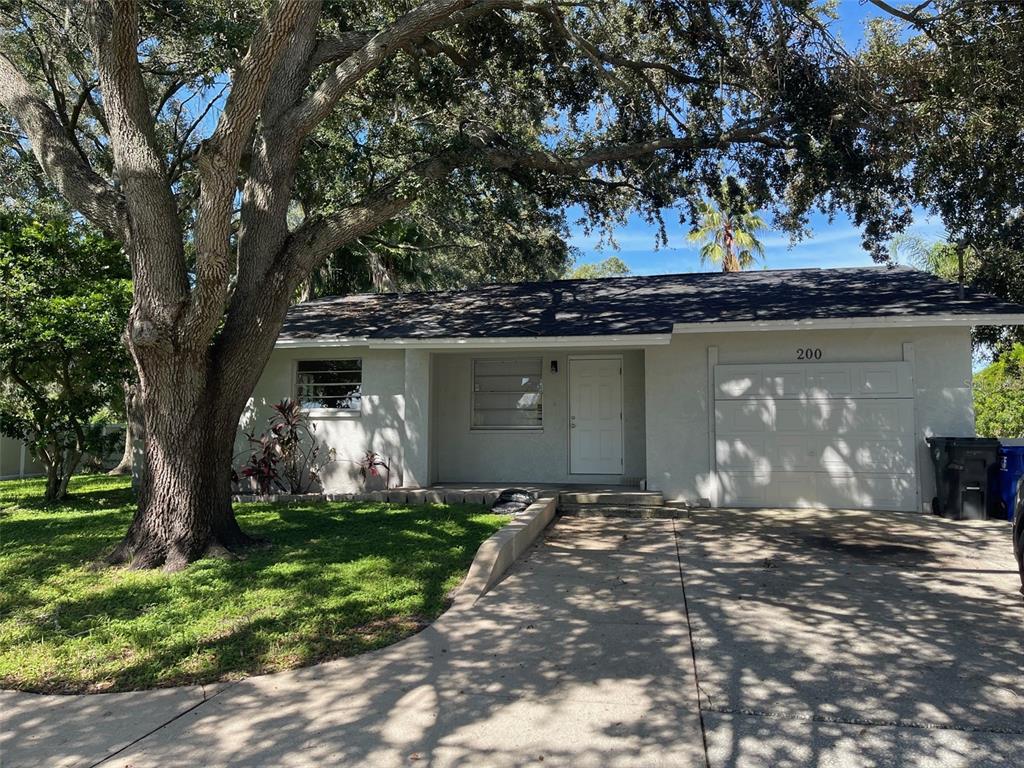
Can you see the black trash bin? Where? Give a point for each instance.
(965, 470)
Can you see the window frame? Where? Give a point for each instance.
(531, 428)
(328, 412)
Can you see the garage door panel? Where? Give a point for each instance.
(868, 419)
(884, 380)
(883, 492)
(818, 490)
(890, 455)
(814, 380)
(745, 489)
(791, 416)
(856, 416)
(829, 382)
(824, 435)
(764, 453)
(793, 452)
(783, 381)
(738, 382)
(745, 416)
(743, 454)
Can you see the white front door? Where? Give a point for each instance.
(595, 416)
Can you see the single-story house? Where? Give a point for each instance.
(811, 387)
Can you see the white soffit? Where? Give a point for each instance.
(533, 342)
(827, 323)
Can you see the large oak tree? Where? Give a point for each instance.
(954, 69)
(607, 105)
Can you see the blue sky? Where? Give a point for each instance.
(831, 244)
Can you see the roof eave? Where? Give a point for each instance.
(843, 323)
(497, 342)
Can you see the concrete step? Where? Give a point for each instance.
(632, 511)
(613, 498)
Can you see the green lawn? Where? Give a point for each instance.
(340, 579)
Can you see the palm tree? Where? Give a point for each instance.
(729, 236)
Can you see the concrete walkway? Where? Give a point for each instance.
(580, 657)
(841, 639)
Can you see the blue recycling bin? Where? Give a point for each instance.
(1010, 472)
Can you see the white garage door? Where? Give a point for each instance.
(816, 435)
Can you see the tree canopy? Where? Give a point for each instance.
(954, 70)
(728, 230)
(612, 266)
(999, 396)
(64, 299)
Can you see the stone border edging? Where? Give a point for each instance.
(392, 496)
(497, 554)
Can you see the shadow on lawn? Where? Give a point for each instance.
(86, 493)
(337, 580)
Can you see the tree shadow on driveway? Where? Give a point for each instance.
(855, 638)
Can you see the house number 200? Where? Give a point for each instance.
(808, 353)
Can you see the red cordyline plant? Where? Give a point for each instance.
(287, 457)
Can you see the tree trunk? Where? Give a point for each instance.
(52, 480)
(729, 261)
(184, 508)
(132, 429)
(60, 463)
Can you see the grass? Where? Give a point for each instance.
(340, 579)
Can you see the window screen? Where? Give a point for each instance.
(507, 394)
(335, 384)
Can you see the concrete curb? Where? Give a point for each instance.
(496, 555)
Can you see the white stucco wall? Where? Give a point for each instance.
(462, 454)
(416, 407)
(16, 461)
(677, 390)
(381, 425)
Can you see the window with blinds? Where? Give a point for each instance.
(507, 394)
(329, 384)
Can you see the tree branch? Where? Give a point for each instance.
(506, 158)
(155, 243)
(85, 189)
(331, 49)
(218, 162)
(422, 20)
(319, 237)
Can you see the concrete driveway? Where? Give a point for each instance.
(842, 639)
(855, 639)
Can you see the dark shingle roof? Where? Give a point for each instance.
(636, 305)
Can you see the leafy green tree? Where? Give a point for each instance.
(64, 300)
(999, 396)
(191, 135)
(613, 266)
(954, 69)
(727, 229)
(941, 258)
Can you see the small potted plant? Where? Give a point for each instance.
(375, 471)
